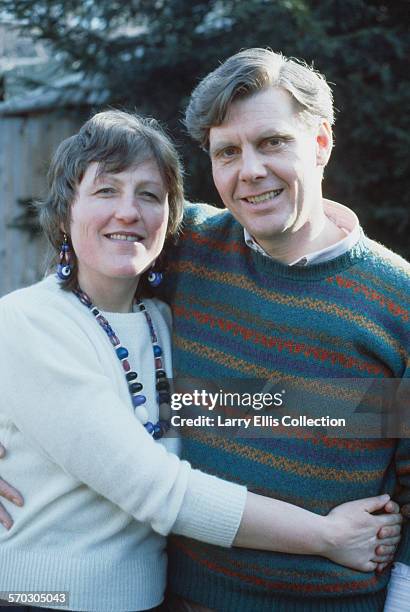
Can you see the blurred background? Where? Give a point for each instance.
(62, 60)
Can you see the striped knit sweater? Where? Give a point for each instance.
(238, 314)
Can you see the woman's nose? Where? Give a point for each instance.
(128, 209)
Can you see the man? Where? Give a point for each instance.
(283, 285)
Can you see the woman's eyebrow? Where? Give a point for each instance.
(104, 176)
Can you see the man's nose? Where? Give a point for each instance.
(252, 166)
(128, 208)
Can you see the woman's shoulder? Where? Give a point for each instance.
(39, 304)
(44, 315)
(45, 291)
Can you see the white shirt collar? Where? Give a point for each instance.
(343, 217)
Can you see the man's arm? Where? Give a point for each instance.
(398, 594)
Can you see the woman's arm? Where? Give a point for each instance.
(57, 394)
(348, 535)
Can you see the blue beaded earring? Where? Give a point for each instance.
(64, 267)
(154, 278)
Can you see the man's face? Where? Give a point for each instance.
(267, 165)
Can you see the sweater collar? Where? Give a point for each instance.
(316, 271)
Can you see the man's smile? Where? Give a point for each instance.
(263, 197)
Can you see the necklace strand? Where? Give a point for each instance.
(159, 429)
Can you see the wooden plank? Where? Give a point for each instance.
(26, 145)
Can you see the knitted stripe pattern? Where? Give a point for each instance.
(238, 314)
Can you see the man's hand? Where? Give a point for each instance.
(405, 510)
(360, 539)
(10, 493)
(386, 548)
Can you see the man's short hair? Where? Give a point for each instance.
(249, 72)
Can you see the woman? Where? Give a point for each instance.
(82, 360)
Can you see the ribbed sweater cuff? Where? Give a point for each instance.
(211, 510)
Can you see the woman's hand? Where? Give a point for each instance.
(10, 493)
(360, 539)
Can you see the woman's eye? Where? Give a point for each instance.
(150, 195)
(106, 191)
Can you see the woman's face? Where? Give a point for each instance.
(118, 223)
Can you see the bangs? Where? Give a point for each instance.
(122, 152)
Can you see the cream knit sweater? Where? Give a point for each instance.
(100, 493)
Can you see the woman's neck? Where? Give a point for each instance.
(111, 295)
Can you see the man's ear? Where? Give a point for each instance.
(324, 143)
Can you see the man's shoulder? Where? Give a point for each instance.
(203, 216)
(387, 261)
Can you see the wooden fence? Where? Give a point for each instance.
(26, 144)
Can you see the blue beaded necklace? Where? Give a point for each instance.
(159, 429)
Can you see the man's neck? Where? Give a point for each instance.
(288, 248)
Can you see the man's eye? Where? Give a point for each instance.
(228, 152)
(272, 142)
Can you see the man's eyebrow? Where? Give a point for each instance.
(268, 133)
(218, 146)
(275, 133)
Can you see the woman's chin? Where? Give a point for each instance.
(126, 275)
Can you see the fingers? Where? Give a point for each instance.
(381, 567)
(369, 566)
(392, 507)
(5, 518)
(10, 493)
(2, 451)
(382, 559)
(389, 532)
(390, 519)
(382, 549)
(373, 504)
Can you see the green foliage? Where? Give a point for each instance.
(153, 52)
